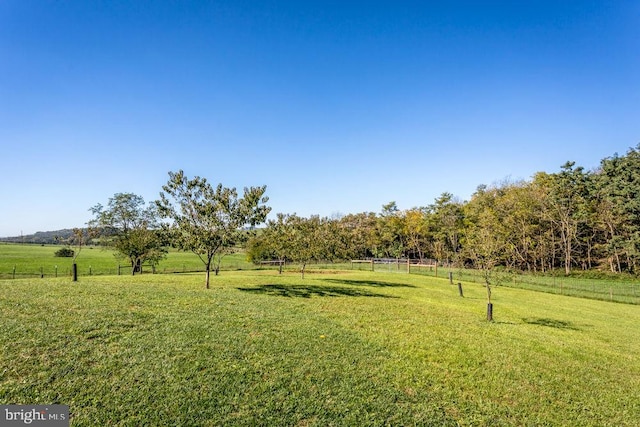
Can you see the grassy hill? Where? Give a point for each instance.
(349, 348)
(41, 237)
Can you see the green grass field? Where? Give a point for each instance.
(624, 288)
(37, 260)
(25, 261)
(337, 348)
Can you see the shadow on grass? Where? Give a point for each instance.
(372, 283)
(308, 291)
(552, 323)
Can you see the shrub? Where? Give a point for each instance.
(65, 252)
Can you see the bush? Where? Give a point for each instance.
(65, 252)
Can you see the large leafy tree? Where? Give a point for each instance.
(359, 231)
(131, 228)
(209, 221)
(519, 208)
(301, 240)
(618, 193)
(565, 202)
(392, 242)
(414, 228)
(446, 227)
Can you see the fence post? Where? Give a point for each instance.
(41, 272)
(14, 271)
(451, 277)
(372, 265)
(460, 289)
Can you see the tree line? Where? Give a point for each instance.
(571, 219)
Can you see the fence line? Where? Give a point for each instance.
(595, 289)
(612, 291)
(88, 270)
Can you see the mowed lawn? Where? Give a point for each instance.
(336, 348)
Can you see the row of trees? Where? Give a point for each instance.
(570, 219)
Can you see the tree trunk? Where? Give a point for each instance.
(208, 274)
(136, 266)
(567, 259)
(489, 304)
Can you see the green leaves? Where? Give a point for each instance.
(131, 228)
(617, 191)
(209, 221)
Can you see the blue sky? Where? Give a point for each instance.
(336, 106)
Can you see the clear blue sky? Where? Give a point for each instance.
(336, 106)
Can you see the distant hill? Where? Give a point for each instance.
(41, 237)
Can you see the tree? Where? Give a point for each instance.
(302, 240)
(617, 190)
(415, 231)
(519, 208)
(390, 235)
(484, 239)
(565, 205)
(208, 221)
(446, 224)
(359, 230)
(78, 238)
(131, 228)
(272, 244)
